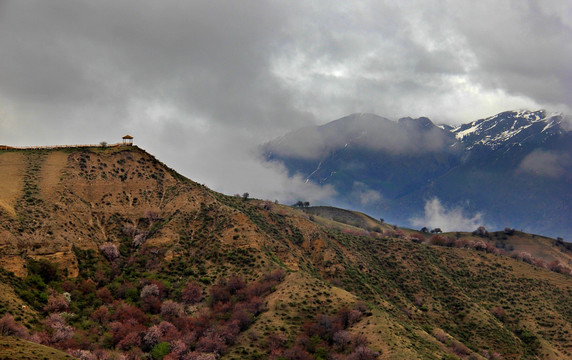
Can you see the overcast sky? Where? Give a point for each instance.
(200, 83)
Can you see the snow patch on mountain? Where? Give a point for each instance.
(498, 130)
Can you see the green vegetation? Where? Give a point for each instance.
(167, 269)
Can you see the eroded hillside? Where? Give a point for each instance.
(114, 221)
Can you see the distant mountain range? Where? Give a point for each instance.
(514, 168)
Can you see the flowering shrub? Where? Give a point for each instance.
(9, 327)
(110, 251)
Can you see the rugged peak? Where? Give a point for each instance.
(508, 128)
(419, 123)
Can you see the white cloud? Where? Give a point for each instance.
(546, 163)
(447, 219)
(365, 195)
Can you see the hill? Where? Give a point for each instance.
(18, 349)
(107, 251)
(513, 168)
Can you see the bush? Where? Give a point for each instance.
(441, 240)
(161, 350)
(417, 238)
(9, 327)
(459, 348)
(363, 353)
(440, 335)
(498, 312)
(45, 269)
(556, 266)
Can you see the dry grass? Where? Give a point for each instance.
(18, 349)
(11, 180)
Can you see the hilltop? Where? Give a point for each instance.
(148, 257)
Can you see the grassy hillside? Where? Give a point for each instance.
(17, 349)
(249, 279)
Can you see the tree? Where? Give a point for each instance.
(82, 354)
(481, 231)
(297, 352)
(150, 290)
(234, 284)
(192, 293)
(245, 196)
(131, 340)
(509, 231)
(104, 295)
(306, 204)
(277, 275)
(152, 336)
(424, 229)
(151, 304)
(342, 338)
(56, 304)
(59, 329)
(110, 251)
(211, 342)
(276, 341)
(171, 309)
(101, 315)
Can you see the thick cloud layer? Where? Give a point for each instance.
(200, 84)
(405, 137)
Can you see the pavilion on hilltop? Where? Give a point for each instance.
(128, 140)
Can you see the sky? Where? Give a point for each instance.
(201, 84)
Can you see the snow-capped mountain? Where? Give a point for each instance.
(514, 167)
(508, 128)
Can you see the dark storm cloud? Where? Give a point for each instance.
(521, 46)
(209, 58)
(200, 83)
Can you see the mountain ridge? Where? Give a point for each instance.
(409, 161)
